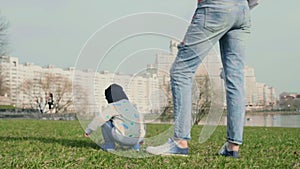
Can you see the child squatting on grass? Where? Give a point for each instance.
(120, 122)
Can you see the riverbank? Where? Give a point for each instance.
(61, 144)
(273, 113)
(38, 116)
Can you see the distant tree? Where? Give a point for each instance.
(290, 104)
(3, 51)
(201, 100)
(3, 35)
(59, 86)
(202, 105)
(297, 104)
(28, 88)
(167, 112)
(3, 86)
(81, 100)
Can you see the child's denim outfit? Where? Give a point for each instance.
(120, 123)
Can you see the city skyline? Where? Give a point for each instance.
(54, 33)
(144, 88)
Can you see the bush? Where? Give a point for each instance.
(7, 107)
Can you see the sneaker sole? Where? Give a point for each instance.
(178, 155)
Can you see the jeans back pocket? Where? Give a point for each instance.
(216, 19)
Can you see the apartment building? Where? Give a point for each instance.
(87, 86)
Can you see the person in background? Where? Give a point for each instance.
(50, 102)
(41, 103)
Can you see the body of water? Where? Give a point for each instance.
(270, 120)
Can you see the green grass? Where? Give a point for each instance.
(7, 107)
(60, 144)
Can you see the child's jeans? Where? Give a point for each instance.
(111, 136)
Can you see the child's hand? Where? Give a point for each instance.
(86, 135)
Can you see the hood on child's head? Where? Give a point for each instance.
(115, 93)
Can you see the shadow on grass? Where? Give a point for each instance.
(63, 142)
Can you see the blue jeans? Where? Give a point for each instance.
(110, 136)
(226, 22)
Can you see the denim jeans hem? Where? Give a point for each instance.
(234, 141)
(184, 138)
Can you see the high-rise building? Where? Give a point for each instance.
(10, 71)
(266, 96)
(250, 86)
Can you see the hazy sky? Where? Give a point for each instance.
(53, 32)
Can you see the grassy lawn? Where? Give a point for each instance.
(60, 144)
